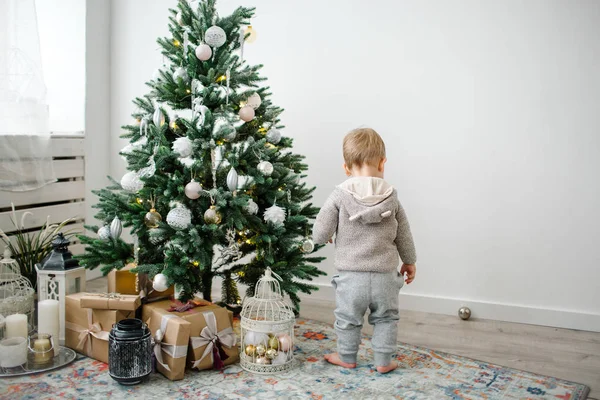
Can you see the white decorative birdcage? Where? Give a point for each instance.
(267, 329)
(16, 293)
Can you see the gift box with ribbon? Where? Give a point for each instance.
(111, 301)
(212, 341)
(124, 281)
(171, 338)
(87, 329)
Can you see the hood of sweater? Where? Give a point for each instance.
(369, 199)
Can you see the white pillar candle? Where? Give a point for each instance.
(49, 321)
(16, 326)
(14, 352)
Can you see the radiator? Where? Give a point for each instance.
(60, 200)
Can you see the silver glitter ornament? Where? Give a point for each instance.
(131, 182)
(180, 73)
(265, 168)
(215, 36)
(274, 136)
(104, 232)
(179, 217)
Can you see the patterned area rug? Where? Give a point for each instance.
(423, 374)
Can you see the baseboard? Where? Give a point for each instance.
(480, 309)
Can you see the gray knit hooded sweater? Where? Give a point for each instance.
(369, 224)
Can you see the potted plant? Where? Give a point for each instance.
(31, 247)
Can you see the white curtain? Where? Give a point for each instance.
(25, 149)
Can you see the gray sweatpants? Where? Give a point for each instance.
(355, 292)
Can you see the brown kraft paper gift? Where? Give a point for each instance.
(111, 301)
(196, 316)
(86, 329)
(171, 344)
(123, 281)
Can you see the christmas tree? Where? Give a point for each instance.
(215, 191)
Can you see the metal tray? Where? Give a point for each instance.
(65, 357)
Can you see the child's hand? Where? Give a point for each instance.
(410, 270)
(330, 240)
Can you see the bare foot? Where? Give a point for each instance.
(334, 358)
(390, 367)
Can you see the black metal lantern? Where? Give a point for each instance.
(130, 352)
(60, 259)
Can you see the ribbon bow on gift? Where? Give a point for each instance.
(94, 329)
(214, 341)
(171, 349)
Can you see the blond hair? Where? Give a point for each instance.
(363, 146)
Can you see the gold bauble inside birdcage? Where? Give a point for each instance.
(267, 329)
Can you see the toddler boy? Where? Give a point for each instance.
(371, 230)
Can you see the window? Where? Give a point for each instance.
(61, 25)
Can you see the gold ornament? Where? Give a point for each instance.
(273, 343)
(152, 219)
(250, 350)
(261, 349)
(212, 216)
(271, 354)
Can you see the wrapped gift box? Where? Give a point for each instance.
(207, 322)
(171, 344)
(110, 301)
(87, 329)
(123, 281)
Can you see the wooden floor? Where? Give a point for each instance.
(562, 353)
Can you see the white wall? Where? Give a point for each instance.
(97, 105)
(490, 115)
(62, 29)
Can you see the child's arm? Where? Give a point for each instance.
(404, 240)
(327, 221)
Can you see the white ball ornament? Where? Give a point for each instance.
(246, 113)
(160, 282)
(232, 179)
(215, 36)
(131, 182)
(179, 217)
(274, 136)
(254, 101)
(203, 52)
(280, 359)
(265, 168)
(252, 207)
(193, 189)
(104, 232)
(183, 146)
(181, 74)
(274, 215)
